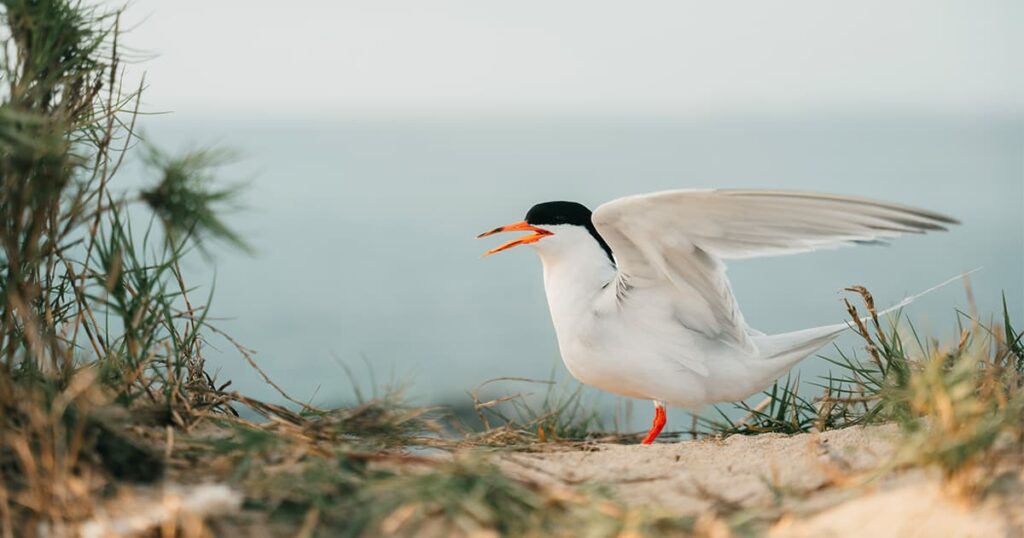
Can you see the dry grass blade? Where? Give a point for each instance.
(247, 355)
(859, 323)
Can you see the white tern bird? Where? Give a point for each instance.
(639, 298)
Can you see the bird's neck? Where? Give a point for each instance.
(574, 278)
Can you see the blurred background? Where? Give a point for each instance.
(377, 138)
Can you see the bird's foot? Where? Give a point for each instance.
(660, 418)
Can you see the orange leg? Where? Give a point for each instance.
(660, 418)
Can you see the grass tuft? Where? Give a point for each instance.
(185, 199)
(562, 414)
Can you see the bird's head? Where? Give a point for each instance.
(555, 226)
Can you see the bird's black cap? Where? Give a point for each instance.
(573, 213)
(559, 213)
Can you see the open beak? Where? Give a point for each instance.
(520, 226)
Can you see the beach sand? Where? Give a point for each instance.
(827, 484)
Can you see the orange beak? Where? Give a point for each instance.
(520, 226)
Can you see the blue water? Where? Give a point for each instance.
(364, 230)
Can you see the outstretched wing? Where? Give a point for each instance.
(677, 239)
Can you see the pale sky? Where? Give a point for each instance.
(660, 56)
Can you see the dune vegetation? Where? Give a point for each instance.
(111, 423)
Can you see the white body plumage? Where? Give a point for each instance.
(630, 341)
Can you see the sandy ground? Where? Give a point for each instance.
(821, 484)
(833, 484)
